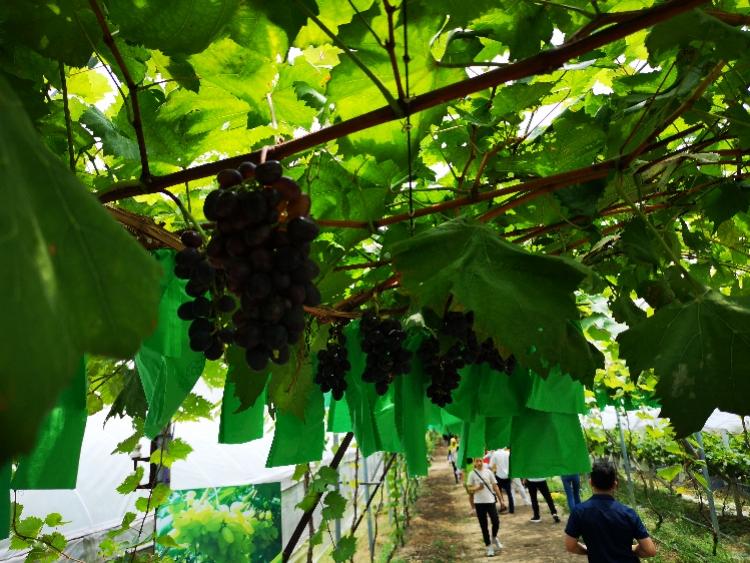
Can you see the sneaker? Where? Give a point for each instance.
(496, 543)
(556, 518)
(536, 520)
(490, 551)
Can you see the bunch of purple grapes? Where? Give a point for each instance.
(382, 341)
(443, 368)
(333, 364)
(257, 257)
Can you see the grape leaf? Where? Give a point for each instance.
(60, 29)
(700, 351)
(334, 506)
(345, 549)
(73, 280)
(172, 26)
(523, 301)
(725, 201)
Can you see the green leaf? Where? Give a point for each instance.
(696, 28)
(345, 549)
(167, 541)
(522, 300)
(700, 351)
(131, 482)
(53, 519)
(80, 283)
(334, 506)
(172, 26)
(669, 473)
(29, 527)
(248, 384)
(324, 478)
(115, 142)
(158, 496)
(59, 29)
(176, 450)
(725, 201)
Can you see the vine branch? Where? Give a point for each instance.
(538, 64)
(109, 40)
(68, 121)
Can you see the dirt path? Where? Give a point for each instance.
(443, 529)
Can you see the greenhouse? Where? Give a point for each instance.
(374, 280)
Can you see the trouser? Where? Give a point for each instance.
(483, 510)
(521, 494)
(504, 484)
(572, 484)
(455, 471)
(542, 487)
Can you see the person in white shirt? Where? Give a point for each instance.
(540, 485)
(483, 494)
(500, 465)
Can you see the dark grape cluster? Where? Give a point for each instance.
(333, 364)
(443, 368)
(382, 341)
(259, 254)
(206, 333)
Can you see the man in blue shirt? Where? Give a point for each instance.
(608, 527)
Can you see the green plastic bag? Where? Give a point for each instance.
(547, 444)
(497, 432)
(557, 393)
(471, 442)
(53, 463)
(4, 501)
(244, 426)
(298, 441)
(339, 419)
(411, 423)
(168, 368)
(385, 421)
(465, 403)
(451, 424)
(360, 395)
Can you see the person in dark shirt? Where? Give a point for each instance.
(608, 528)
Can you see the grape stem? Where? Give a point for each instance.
(186, 215)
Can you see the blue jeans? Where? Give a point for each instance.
(572, 484)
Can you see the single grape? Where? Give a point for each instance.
(191, 238)
(303, 229)
(229, 177)
(268, 172)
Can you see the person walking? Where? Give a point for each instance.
(452, 453)
(608, 528)
(483, 494)
(540, 486)
(572, 485)
(500, 465)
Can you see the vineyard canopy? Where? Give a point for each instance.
(505, 157)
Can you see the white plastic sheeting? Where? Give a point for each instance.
(719, 421)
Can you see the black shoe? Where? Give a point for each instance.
(556, 518)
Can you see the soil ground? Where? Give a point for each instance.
(444, 530)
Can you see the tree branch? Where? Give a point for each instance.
(537, 64)
(109, 40)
